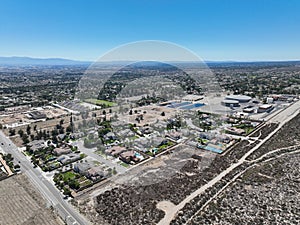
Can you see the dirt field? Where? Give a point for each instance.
(22, 204)
(153, 113)
(265, 194)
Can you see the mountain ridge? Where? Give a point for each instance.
(24, 60)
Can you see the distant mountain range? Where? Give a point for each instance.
(22, 61)
(28, 61)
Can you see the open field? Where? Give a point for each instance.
(151, 114)
(265, 194)
(288, 135)
(100, 102)
(11, 118)
(22, 204)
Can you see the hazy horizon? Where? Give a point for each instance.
(215, 30)
(112, 61)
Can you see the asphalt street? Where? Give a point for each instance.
(50, 192)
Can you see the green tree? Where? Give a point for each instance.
(74, 184)
(54, 132)
(28, 130)
(69, 129)
(61, 130)
(12, 132)
(25, 139)
(21, 132)
(67, 191)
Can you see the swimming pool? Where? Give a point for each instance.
(185, 105)
(177, 105)
(196, 105)
(210, 148)
(138, 155)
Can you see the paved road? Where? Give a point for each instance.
(286, 113)
(90, 152)
(52, 195)
(189, 122)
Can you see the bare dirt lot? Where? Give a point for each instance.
(266, 194)
(151, 114)
(22, 204)
(134, 201)
(288, 135)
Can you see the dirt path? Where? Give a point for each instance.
(283, 117)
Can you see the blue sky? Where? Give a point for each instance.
(245, 30)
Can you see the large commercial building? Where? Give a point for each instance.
(265, 108)
(230, 103)
(239, 98)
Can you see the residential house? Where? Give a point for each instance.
(234, 130)
(126, 133)
(146, 130)
(61, 137)
(37, 115)
(110, 136)
(82, 167)
(93, 134)
(115, 150)
(65, 159)
(223, 138)
(142, 144)
(157, 141)
(62, 151)
(96, 173)
(206, 135)
(174, 135)
(77, 135)
(129, 156)
(36, 145)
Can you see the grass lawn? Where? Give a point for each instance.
(99, 102)
(249, 130)
(134, 137)
(82, 179)
(149, 153)
(124, 164)
(48, 157)
(99, 152)
(96, 163)
(26, 153)
(169, 144)
(203, 140)
(85, 183)
(68, 176)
